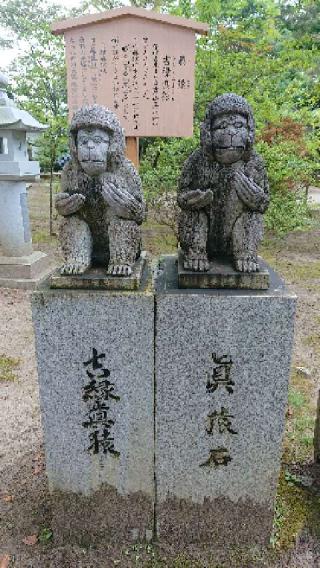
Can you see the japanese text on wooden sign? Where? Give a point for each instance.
(143, 72)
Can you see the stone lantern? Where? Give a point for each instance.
(18, 263)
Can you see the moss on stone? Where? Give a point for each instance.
(296, 508)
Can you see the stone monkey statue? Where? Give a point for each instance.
(223, 190)
(101, 200)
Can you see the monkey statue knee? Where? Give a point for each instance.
(101, 200)
(223, 190)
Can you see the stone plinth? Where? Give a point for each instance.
(98, 279)
(222, 275)
(24, 271)
(95, 367)
(222, 369)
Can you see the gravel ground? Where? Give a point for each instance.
(25, 508)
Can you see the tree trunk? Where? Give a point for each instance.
(51, 200)
(316, 441)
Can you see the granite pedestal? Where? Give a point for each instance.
(95, 365)
(222, 362)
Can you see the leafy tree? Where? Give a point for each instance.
(39, 76)
(265, 50)
(255, 49)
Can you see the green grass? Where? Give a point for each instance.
(298, 445)
(42, 237)
(7, 366)
(293, 271)
(313, 341)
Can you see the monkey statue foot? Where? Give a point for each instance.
(119, 269)
(74, 268)
(246, 263)
(199, 264)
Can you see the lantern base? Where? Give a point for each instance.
(24, 272)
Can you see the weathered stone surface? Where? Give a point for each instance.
(222, 369)
(101, 200)
(97, 406)
(97, 279)
(223, 190)
(222, 275)
(24, 272)
(103, 517)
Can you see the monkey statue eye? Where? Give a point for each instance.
(100, 140)
(220, 126)
(239, 125)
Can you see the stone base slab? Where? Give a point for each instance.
(24, 272)
(222, 275)
(97, 279)
(103, 517)
(222, 364)
(95, 355)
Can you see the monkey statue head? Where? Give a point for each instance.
(227, 132)
(96, 139)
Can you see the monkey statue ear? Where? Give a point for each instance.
(117, 142)
(251, 127)
(73, 144)
(206, 136)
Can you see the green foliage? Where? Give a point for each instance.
(162, 163)
(255, 49)
(45, 535)
(289, 175)
(38, 76)
(265, 50)
(53, 143)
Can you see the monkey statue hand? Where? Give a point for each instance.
(68, 204)
(196, 199)
(123, 203)
(250, 193)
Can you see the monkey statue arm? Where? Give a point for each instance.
(125, 200)
(195, 199)
(65, 202)
(189, 194)
(251, 194)
(123, 203)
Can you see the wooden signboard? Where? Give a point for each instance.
(138, 63)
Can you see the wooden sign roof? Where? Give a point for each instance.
(101, 17)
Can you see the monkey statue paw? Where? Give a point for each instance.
(246, 264)
(74, 268)
(119, 269)
(196, 264)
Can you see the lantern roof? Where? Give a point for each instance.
(13, 118)
(64, 25)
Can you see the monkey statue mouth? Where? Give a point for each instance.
(92, 162)
(229, 154)
(230, 147)
(93, 167)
